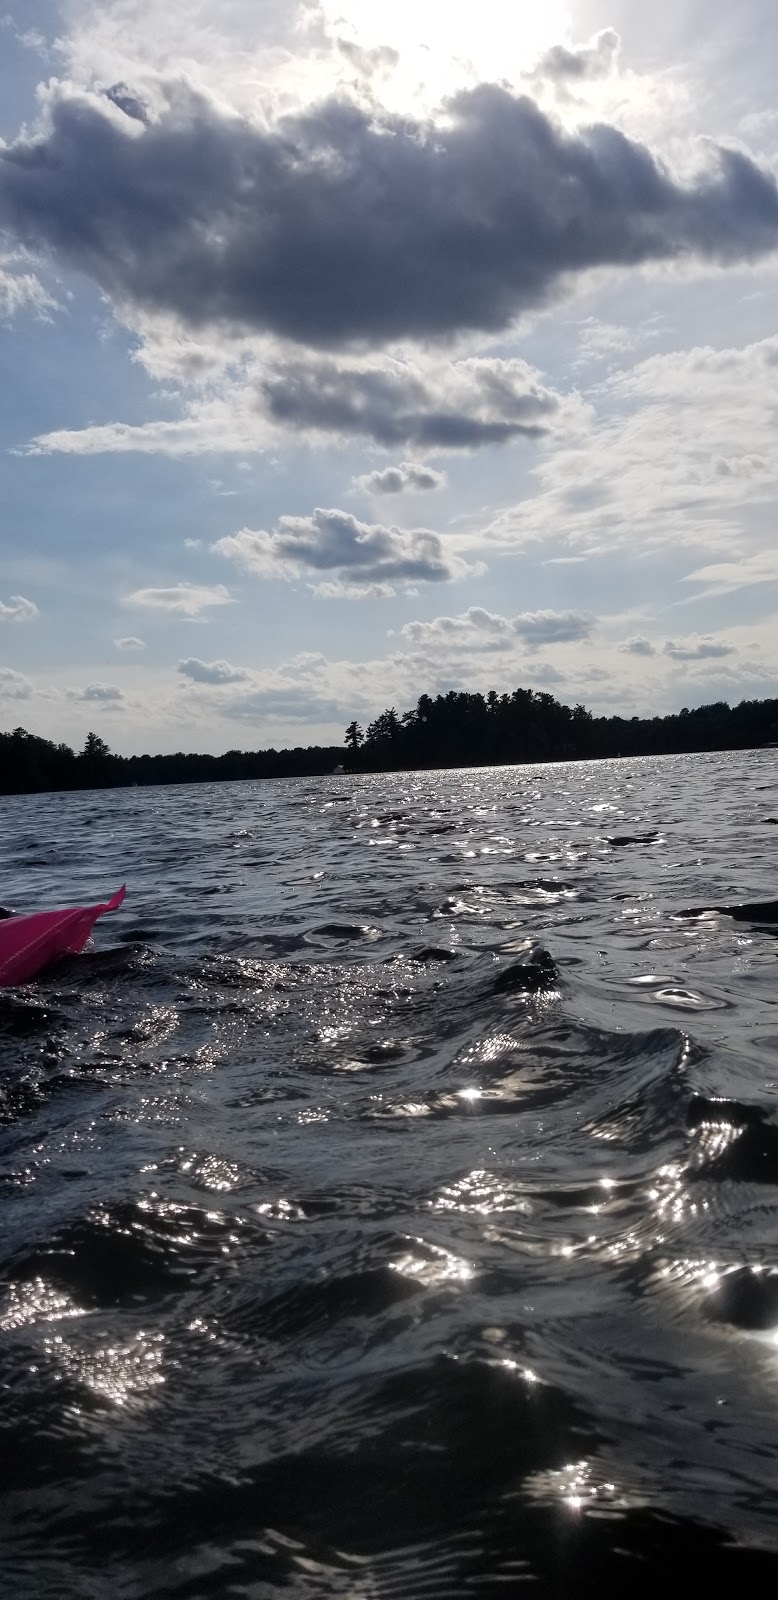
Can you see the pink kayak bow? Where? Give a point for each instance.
(29, 943)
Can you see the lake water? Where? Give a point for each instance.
(390, 1197)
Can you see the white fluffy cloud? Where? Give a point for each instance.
(413, 476)
(477, 629)
(354, 556)
(129, 642)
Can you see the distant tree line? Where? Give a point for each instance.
(460, 729)
(452, 730)
(29, 765)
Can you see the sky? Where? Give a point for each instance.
(359, 349)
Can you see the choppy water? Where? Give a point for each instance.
(389, 1201)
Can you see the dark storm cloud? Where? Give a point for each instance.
(346, 224)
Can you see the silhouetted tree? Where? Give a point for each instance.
(462, 729)
(95, 748)
(451, 730)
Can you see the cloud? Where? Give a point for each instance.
(20, 610)
(346, 223)
(22, 291)
(130, 643)
(473, 629)
(359, 554)
(646, 474)
(486, 630)
(105, 693)
(306, 689)
(596, 59)
(427, 402)
(724, 577)
(455, 405)
(338, 590)
(609, 341)
(383, 58)
(539, 628)
(697, 648)
(639, 646)
(210, 671)
(28, 38)
(409, 475)
(184, 599)
(286, 704)
(13, 685)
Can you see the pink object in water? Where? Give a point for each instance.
(29, 943)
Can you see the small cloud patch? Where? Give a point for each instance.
(408, 476)
(698, 647)
(638, 646)
(19, 610)
(486, 630)
(182, 599)
(215, 672)
(14, 685)
(104, 694)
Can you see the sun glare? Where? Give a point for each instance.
(441, 46)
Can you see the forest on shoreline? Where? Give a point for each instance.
(457, 729)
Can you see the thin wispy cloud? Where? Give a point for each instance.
(18, 609)
(181, 599)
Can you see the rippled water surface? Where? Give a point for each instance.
(389, 1197)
